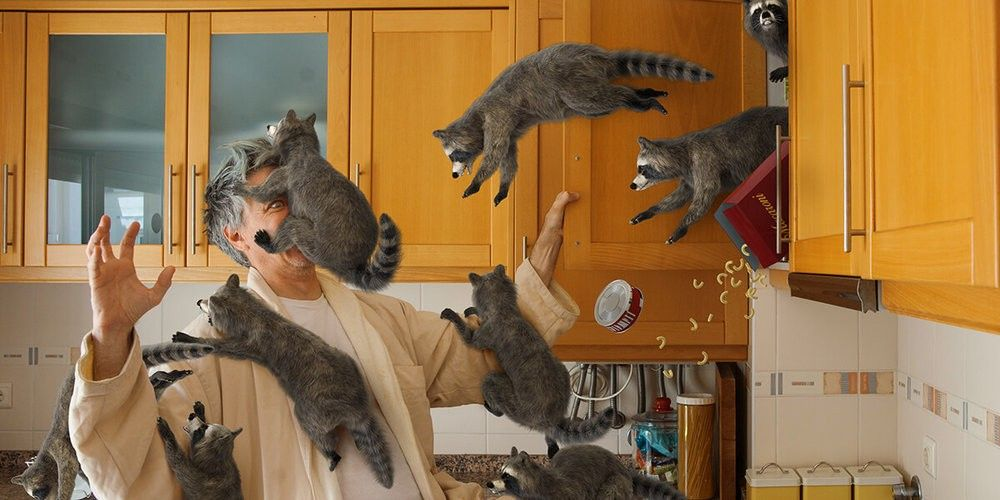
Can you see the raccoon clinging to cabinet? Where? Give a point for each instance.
(555, 83)
(767, 21)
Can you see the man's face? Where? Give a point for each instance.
(267, 216)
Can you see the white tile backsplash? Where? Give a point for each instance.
(982, 461)
(15, 440)
(877, 341)
(811, 429)
(877, 429)
(949, 359)
(435, 297)
(468, 419)
(814, 336)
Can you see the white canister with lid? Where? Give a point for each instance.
(874, 481)
(772, 482)
(825, 482)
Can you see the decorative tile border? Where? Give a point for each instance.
(981, 422)
(806, 383)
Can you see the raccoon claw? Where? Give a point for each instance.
(779, 74)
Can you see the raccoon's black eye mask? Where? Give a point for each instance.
(460, 156)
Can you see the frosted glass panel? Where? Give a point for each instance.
(256, 79)
(106, 115)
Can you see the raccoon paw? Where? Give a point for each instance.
(502, 195)
(470, 311)
(779, 74)
(199, 410)
(552, 447)
(262, 239)
(678, 234)
(164, 429)
(471, 190)
(491, 409)
(449, 314)
(334, 460)
(639, 218)
(654, 104)
(647, 93)
(184, 338)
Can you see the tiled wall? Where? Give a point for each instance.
(54, 317)
(949, 390)
(821, 383)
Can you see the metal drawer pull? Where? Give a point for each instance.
(778, 238)
(169, 219)
(847, 85)
(194, 208)
(3, 212)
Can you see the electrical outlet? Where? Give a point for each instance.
(930, 456)
(6, 395)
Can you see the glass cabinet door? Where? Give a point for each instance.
(247, 70)
(100, 138)
(11, 136)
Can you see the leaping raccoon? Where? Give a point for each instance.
(208, 472)
(583, 472)
(706, 162)
(53, 471)
(555, 83)
(767, 21)
(533, 390)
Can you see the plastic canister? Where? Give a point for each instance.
(695, 428)
(874, 483)
(773, 484)
(825, 483)
(654, 436)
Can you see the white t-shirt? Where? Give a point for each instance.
(355, 477)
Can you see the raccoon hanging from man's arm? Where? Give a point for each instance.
(767, 21)
(53, 473)
(208, 471)
(533, 390)
(705, 163)
(555, 83)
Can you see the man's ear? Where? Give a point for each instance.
(235, 239)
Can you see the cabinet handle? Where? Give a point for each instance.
(524, 248)
(194, 208)
(169, 219)
(847, 84)
(3, 212)
(357, 174)
(778, 238)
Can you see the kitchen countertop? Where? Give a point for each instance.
(465, 468)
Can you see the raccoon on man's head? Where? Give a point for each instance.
(767, 21)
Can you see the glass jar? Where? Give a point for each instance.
(654, 439)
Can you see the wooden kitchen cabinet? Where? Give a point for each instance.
(923, 148)
(824, 36)
(101, 134)
(597, 159)
(11, 137)
(413, 72)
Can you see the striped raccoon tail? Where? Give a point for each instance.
(370, 442)
(158, 354)
(634, 62)
(380, 270)
(647, 487)
(569, 431)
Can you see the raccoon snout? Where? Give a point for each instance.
(41, 493)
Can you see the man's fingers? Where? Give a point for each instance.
(163, 283)
(558, 209)
(106, 251)
(95, 237)
(128, 241)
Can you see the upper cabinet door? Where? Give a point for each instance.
(247, 70)
(99, 139)
(600, 153)
(413, 72)
(11, 137)
(935, 121)
(824, 37)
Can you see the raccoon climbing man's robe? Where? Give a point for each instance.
(411, 361)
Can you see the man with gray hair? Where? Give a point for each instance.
(410, 361)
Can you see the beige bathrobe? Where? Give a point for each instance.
(411, 361)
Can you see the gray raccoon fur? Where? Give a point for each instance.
(323, 382)
(706, 162)
(329, 219)
(583, 472)
(555, 83)
(767, 21)
(208, 472)
(533, 390)
(53, 473)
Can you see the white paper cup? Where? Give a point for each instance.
(618, 306)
